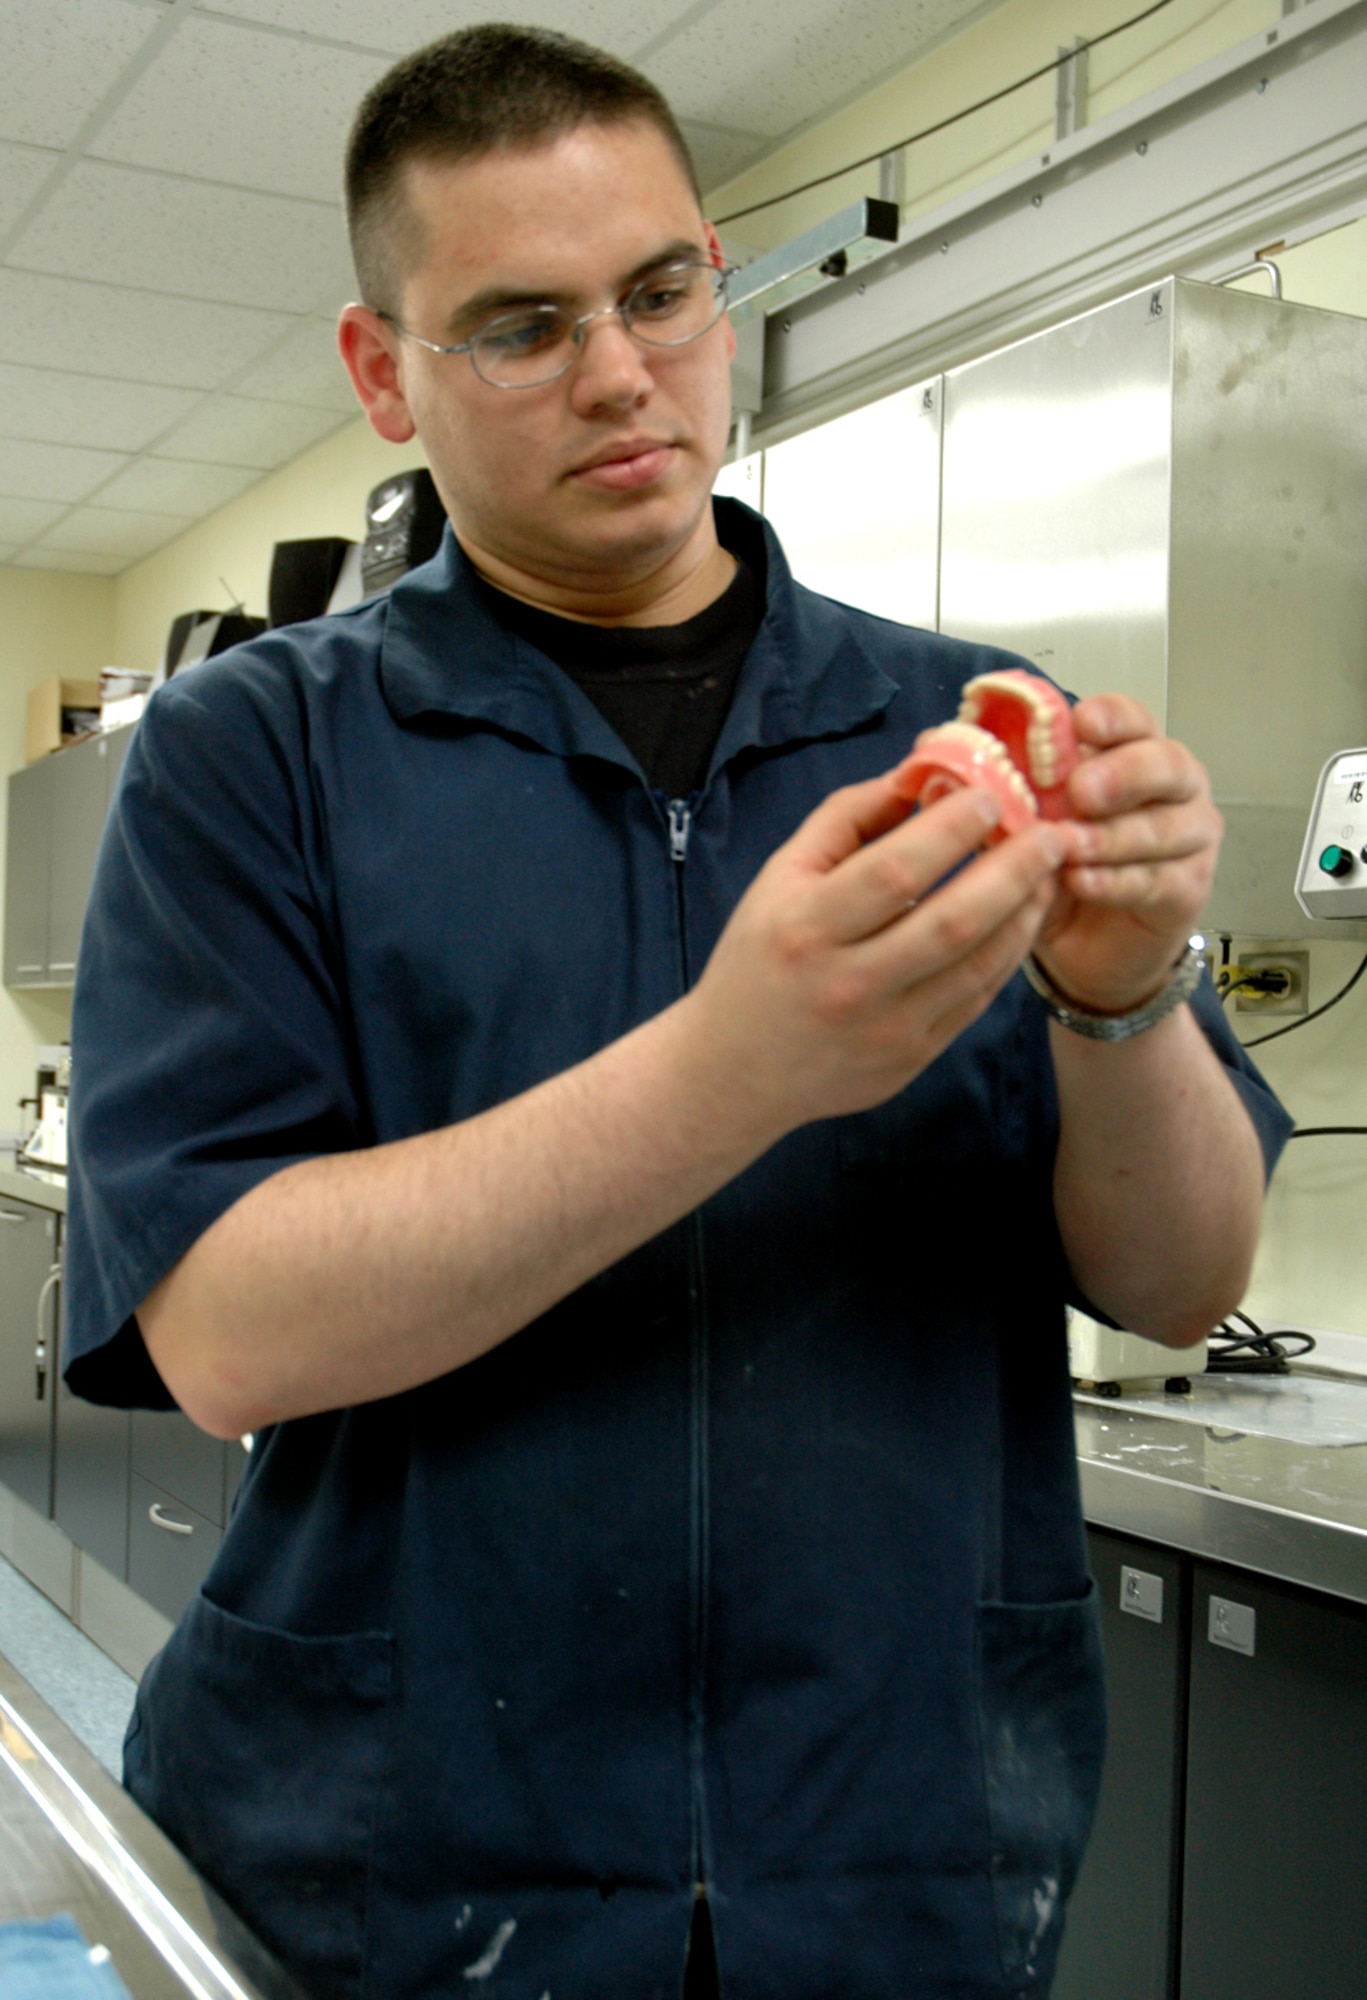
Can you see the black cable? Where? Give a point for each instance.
(1254, 1352)
(1306, 1019)
(1327, 1131)
(1251, 982)
(943, 124)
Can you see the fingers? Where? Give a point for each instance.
(968, 920)
(1140, 771)
(856, 815)
(1103, 720)
(876, 884)
(958, 992)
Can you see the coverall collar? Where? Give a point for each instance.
(446, 653)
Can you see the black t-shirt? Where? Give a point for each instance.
(665, 689)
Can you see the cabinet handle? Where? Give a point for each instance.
(11, 1215)
(50, 1282)
(24, 969)
(160, 1520)
(62, 965)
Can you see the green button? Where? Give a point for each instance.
(1336, 861)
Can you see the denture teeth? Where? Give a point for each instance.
(1041, 748)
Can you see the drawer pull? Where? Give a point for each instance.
(160, 1520)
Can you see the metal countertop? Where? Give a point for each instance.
(1295, 1510)
(38, 1185)
(73, 1841)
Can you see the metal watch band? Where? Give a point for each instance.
(1182, 983)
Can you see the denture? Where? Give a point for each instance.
(1013, 737)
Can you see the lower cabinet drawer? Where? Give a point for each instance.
(170, 1548)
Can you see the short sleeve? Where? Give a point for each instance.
(209, 1047)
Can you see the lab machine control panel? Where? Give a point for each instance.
(1332, 878)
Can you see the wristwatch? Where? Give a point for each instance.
(1183, 980)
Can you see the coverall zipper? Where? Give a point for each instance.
(679, 821)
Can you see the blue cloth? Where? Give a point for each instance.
(49, 1959)
(759, 1559)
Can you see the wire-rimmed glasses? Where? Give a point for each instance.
(530, 345)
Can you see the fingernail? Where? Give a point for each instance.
(1054, 846)
(987, 807)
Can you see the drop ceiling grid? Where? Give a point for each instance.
(174, 249)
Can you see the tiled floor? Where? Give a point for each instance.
(81, 1684)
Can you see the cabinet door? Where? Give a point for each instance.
(90, 1476)
(1121, 1936)
(79, 804)
(28, 1252)
(170, 1548)
(172, 1453)
(28, 842)
(1274, 1903)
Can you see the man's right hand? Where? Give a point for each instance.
(845, 971)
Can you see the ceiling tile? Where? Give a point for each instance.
(138, 336)
(238, 430)
(226, 102)
(54, 471)
(19, 519)
(104, 531)
(38, 403)
(718, 152)
(66, 559)
(176, 486)
(23, 169)
(305, 368)
(619, 25)
(186, 237)
(60, 60)
(722, 69)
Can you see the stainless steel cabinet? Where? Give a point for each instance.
(28, 1261)
(1230, 1851)
(1274, 1898)
(1122, 1933)
(57, 811)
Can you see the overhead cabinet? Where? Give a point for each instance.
(57, 811)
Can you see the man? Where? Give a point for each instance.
(536, 1077)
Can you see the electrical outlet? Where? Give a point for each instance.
(1295, 999)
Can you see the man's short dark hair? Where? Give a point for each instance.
(474, 92)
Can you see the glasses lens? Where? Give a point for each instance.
(519, 349)
(676, 304)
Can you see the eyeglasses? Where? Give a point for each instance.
(531, 345)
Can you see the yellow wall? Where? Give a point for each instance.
(49, 624)
(321, 493)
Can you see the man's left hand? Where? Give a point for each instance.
(1144, 839)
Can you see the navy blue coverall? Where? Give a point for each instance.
(757, 1561)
